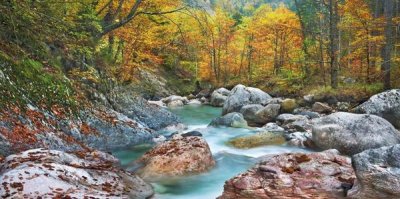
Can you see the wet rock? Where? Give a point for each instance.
(230, 120)
(386, 105)
(378, 173)
(257, 140)
(300, 139)
(173, 98)
(273, 127)
(241, 95)
(288, 105)
(293, 175)
(177, 157)
(194, 102)
(219, 96)
(321, 108)
(176, 103)
(192, 133)
(353, 133)
(40, 173)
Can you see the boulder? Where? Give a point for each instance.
(321, 108)
(294, 175)
(230, 120)
(288, 105)
(343, 106)
(177, 157)
(378, 173)
(307, 113)
(353, 133)
(173, 98)
(249, 112)
(257, 140)
(300, 139)
(204, 93)
(309, 99)
(294, 122)
(240, 96)
(175, 104)
(268, 113)
(257, 115)
(386, 105)
(40, 173)
(219, 96)
(194, 102)
(273, 127)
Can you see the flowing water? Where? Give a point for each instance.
(229, 161)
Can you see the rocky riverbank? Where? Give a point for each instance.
(358, 141)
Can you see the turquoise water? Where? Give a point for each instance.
(229, 161)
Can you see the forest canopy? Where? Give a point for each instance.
(286, 44)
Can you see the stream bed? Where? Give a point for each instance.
(229, 161)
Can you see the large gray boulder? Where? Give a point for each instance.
(258, 115)
(242, 95)
(40, 173)
(353, 133)
(386, 105)
(378, 173)
(219, 96)
(230, 120)
(249, 112)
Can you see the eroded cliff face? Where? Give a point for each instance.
(106, 122)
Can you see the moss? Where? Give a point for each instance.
(29, 81)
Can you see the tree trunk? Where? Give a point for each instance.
(334, 41)
(386, 52)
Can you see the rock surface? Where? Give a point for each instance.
(321, 108)
(288, 105)
(258, 115)
(257, 140)
(241, 95)
(40, 173)
(125, 101)
(353, 133)
(378, 173)
(235, 120)
(386, 105)
(219, 96)
(177, 157)
(316, 175)
(300, 139)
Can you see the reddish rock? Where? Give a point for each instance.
(40, 173)
(177, 157)
(294, 175)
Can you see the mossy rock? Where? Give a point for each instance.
(288, 105)
(257, 140)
